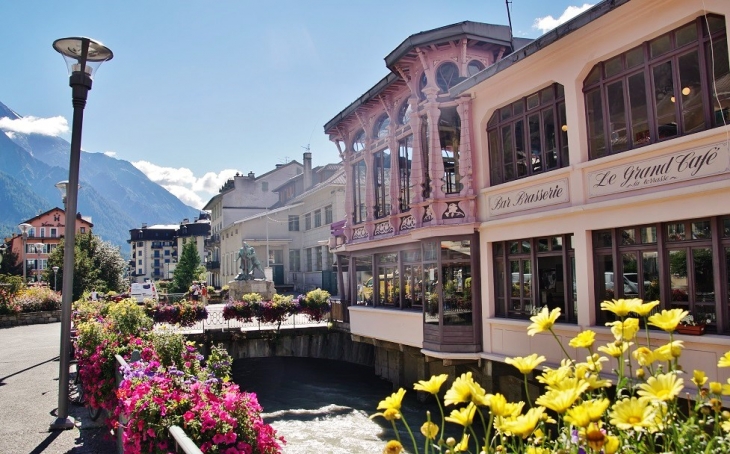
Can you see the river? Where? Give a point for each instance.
(323, 406)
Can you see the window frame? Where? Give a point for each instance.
(382, 180)
(359, 188)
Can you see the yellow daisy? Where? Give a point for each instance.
(643, 356)
(584, 339)
(715, 387)
(724, 361)
(595, 437)
(551, 377)
(663, 387)
(526, 364)
(669, 351)
(560, 401)
(463, 389)
(543, 321)
(612, 444)
(391, 414)
(393, 401)
(699, 378)
(463, 445)
(578, 416)
(615, 350)
(523, 425)
(433, 385)
(429, 430)
(668, 320)
(644, 309)
(463, 416)
(624, 330)
(500, 407)
(633, 413)
(621, 307)
(393, 447)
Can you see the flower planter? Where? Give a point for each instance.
(692, 330)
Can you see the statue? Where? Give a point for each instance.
(249, 262)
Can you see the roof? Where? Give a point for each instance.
(78, 216)
(554, 35)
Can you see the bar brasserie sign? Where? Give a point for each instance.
(532, 197)
(672, 168)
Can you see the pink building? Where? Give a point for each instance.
(45, 233)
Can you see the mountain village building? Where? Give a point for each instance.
(587, 165)
(45, 234)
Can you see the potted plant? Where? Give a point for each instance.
(688, 325)
(316, 304)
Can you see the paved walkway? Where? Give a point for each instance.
(29, 398)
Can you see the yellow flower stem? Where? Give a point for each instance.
(561, 346)
(413, 439)
(395, 429)
(443, 420)
(428, 441)
(527, 392)
(487, 428)
(474, 435)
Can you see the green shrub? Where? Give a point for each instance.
(36, 299)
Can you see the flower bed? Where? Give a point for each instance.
(582, 411)
(183, 313)
(315, 304)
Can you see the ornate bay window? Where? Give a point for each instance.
(382, 183)
(449, 128)
(405, 157)
(664, 88)
(536, 123)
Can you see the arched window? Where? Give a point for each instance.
(381, 126)
(358, 144)
(447, 75)
(422, 82)
(529, 136)
(404, 113)
(662, 89)
(474, 67)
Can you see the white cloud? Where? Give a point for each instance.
(184, 184)
(54, 126)
(111, 154)
(547, 23)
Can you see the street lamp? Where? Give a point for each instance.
(2, 251)
(83, 57)
(24, 228)
(38, 251)
(55, 271)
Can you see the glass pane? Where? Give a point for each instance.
(495, 166)
(543, 245)
(457, 295)
(650, 268)
(630, 282)
(704, 275)
(388, 290)
(596, 133)
(456, 250)
(617, 116)
(613, 66)
(533, 101)
(701, 230)
(727, 271)
(547, 95)
(634, 57)
(514, 247)
(678, 275)
(665, 100)
(556, 243)
(561, 91)
(364, 280)
(721, 67)
(726, 227)
(551, 291)
(716, 23)
(388, 258)
(574, 287)
(604, 280)
(526, 247)
(628, 236)
(648, 235)
(686, 34)
(499, 290)
(474, 67)
(526, 278)
(639, 113)
(497, 249)
(551, 152)
(520, 149)
(693, 106)
(508, 153)
(564, 158)
(594, 76)
(430, 288)
(533, 122)
(518, 107)
(430, 250)
(602, 238)
(675, 232)
(413, 286)
(412, 256)
(660, 46)
(505, 113)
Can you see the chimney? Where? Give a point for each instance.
(144, 225)
(307, 170)
(251, 175)
(186, 221)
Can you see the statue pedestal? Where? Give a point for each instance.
(266, 289)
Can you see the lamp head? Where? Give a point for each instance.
(82, 55)
(38, 248)
(24, 228)
(55, 269)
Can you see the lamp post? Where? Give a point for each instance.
(55, 272)
(83, 57)
(24, 228)
(38, 269)
(2, 251)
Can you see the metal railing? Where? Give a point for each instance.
(182, 441)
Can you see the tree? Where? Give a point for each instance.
(186, 270)
(11, 263)
(97, 264)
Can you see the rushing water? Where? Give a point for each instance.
(322, 406)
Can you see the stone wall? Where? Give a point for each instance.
(30, 318)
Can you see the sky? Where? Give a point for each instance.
(199, 90)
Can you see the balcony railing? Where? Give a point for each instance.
(212, 265)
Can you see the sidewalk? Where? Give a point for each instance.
(29, 398)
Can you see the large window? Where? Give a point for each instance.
(382, 183)
(358, 192)
(664, 88)
(684, 264)
(404, 113)
(308, 221)
(381, 127)
(405, 155)
(317, 218)
(447, 75)
(293, 223)
(358, 144)
(450, 137)
(533, 273)
(328, 214)
(456, 275)
(364, 280)
(425, 156)
(529, 136)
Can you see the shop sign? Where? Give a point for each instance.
(685, 165)
(530, 198)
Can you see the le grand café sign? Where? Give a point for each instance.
(684, 165)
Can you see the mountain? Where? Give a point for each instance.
(115, 194)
